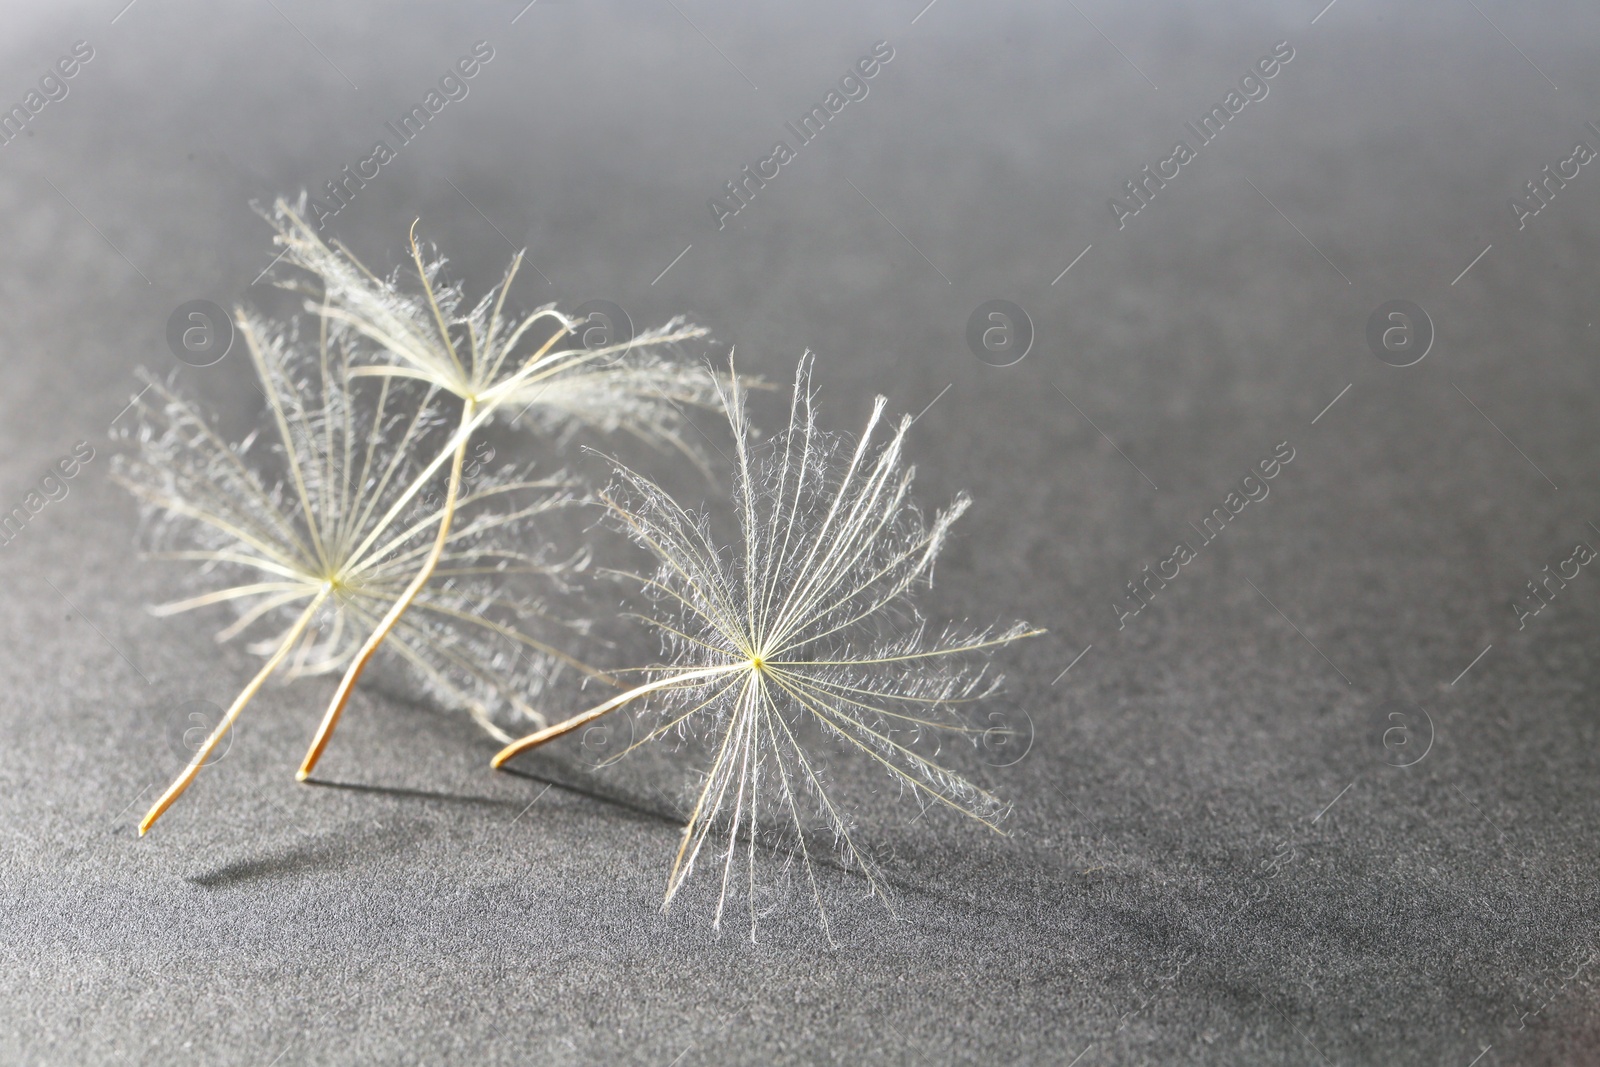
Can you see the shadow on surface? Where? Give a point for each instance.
(321, 852)
(611, 799)
(821, 846)
(409, 793)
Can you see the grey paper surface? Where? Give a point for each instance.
(1215, 857)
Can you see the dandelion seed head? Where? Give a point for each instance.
(527, 367)
(805, 630)
(332, 511)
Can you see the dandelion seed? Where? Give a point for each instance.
(320, 551)
(806, 628)
(478, 356)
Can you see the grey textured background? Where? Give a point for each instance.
(1211, 861)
